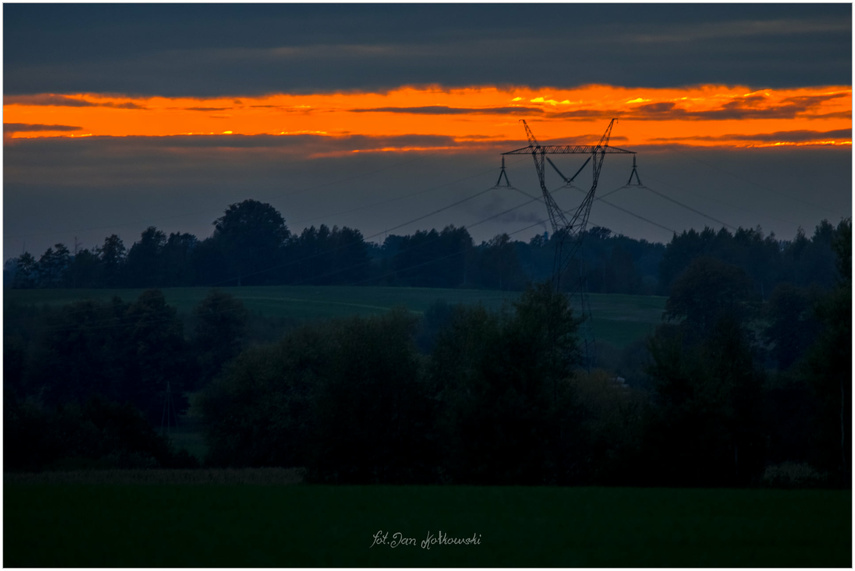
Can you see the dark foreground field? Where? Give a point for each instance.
(154, 524)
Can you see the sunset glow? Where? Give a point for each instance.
(706, 116)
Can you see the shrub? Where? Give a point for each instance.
(259, 411)
(97, 434)
(374, 413)
(793, 475)
(507, 415)
(345, 399)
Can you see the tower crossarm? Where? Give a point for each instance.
(569, 150)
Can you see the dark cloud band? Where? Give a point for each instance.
(26, 127)
(208, 50)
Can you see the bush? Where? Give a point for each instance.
(374, 412)
(259, 411)
(345, 399)
(122, 352)
(97, 434)
(793, 475)
(219, 332)
(507, 413)
(612, 415)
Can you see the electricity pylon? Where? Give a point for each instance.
(568, 233)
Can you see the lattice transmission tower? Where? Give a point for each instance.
(568, 233)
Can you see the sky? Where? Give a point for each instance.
(393, 118)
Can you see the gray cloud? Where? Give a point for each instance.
(777, 136)
(445, 110)
(9, 128)
(62, 101)
(206, 108)
(204, 50)
(719, 31)
(46, 99)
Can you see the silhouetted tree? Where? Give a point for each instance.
(415, 261)
(706, 425)
(94, 434)
(435, 319)
(455, 252)
(430, 258)
(84, 351)
(177, 260)
(621, 275)
(350, 256)
(161, 365)
(52, 267)
(26, 276)
(610, 439)
(346, 399)
(208, 264)
(497, 265)
(260, 411)
(251, 236)
(83, 272)
(123, 352)
(792, 322)
(829, 367)
(311, 256)
(705, 291)
(112, 255)
(506, 410)
(144, 267)
(323, 256)
(220, 330)
(373, 406)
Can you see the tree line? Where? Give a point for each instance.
(730, 390)
(252, 245)
(88, 383)
(468, 396)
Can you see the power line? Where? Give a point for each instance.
(114, 322)
(368, 238)
(724, 203)
(777, 193)
(638, 216)
(696, 211)
(327, 252)
(386, 230)
(427, 262)
(395, 199)
(111, 322)
(687, 207)
(333, 250)
(209, 211)
(613, 206)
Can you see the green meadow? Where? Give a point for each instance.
(279, 525)
(616, 319)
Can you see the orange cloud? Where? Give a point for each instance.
(705, 115)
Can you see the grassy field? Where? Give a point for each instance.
(276, 525)
(617, 319)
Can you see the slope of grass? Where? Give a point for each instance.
(60, 525)
(617, 319)
(311, 301)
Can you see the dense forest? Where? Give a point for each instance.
(252, 245)
(746, 382)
